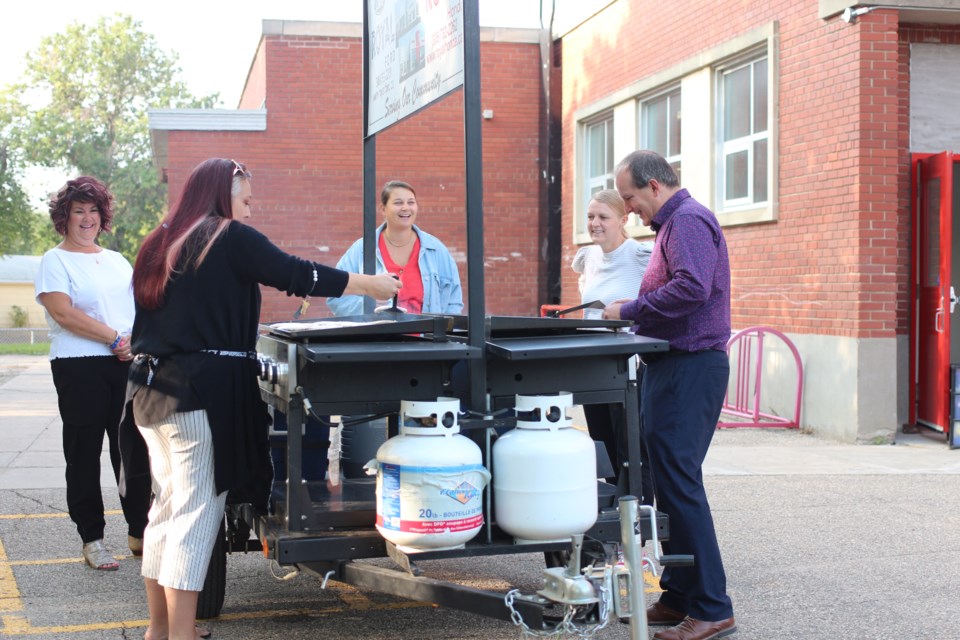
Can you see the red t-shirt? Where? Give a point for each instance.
(411, 293)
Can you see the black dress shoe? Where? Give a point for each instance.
(691, 629)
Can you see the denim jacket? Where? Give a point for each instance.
(441, 279)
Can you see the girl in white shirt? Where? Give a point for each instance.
(610, 269)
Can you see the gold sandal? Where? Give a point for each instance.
(136, 545)
(96, 555)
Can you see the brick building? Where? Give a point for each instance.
(799, 121)
(299, 129)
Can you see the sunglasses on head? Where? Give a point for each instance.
(239, 170)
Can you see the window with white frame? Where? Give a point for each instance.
(660, 126)
(598, 165)
(744, 134)
(728, 152)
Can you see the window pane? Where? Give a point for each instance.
(597, 150)
(674, 119)
(655, 125)
(760, 96)
(736, 104)
(608, 166)
(737, 175)
(760, 171)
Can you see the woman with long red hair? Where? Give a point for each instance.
(193, 385)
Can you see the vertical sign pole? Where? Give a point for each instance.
(369, 169)
(474, 168)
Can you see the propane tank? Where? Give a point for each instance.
(544, 473)
(430, 480)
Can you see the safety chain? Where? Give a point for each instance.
(565, 626)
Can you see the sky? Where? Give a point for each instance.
(200, 31)
(215, 42)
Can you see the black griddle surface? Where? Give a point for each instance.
(373, 324)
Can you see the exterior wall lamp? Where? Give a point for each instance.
(850, 14)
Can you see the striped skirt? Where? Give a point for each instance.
(187, 511)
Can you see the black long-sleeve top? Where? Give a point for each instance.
(216, 307)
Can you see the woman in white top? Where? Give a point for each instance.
(87, 296)
(610, 269)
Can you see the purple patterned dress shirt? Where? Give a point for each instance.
(685, 294)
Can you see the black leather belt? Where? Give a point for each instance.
(657, 356)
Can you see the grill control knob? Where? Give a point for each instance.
(271, 371)
(268, 369)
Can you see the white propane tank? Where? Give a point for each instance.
(544, 473)
(430, 480)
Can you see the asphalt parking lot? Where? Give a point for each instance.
(820, 540)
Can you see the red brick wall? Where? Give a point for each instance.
(307, 165)
(254, 90)
(836, 260)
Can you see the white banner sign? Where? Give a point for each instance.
(415, 56)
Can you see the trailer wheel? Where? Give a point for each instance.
(210, 601)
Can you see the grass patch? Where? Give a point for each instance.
(36, 349)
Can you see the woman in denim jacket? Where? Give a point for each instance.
(431, 281)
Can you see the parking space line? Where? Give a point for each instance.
(34, 563)
(11, 601)
(653, 583)
(9, 591)
(353, 597)
(59, 514)
(20, 626)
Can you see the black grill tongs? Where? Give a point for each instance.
(596, 304)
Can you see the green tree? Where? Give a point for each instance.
(21, 228)
(94, 85)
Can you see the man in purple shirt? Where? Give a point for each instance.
(685, 299)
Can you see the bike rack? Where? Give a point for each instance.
(743, 398)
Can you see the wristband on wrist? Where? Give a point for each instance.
(116, 342)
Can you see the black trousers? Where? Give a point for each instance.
(607, 423)
(683, 394)
(90, 394)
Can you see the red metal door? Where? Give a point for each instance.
(936, 301)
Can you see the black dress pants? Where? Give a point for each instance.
(90, 394)
(682, 397)
(607, 424)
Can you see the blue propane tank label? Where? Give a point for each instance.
(390, 500)
(419, 499)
